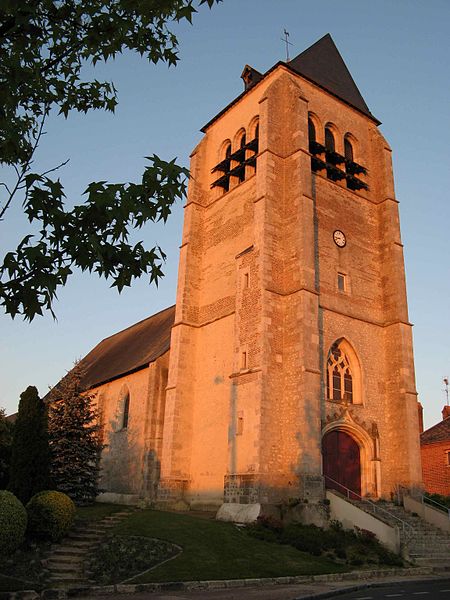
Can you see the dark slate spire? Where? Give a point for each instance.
(322, 64)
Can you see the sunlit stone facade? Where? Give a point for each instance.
(291, 337)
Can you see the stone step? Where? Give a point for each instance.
(66, 583)
(66, 578)
(68, 550)
(431, 543)
(58, 570)
(439, 561)
(77, 543)
(65, 559)
(429, 547)
(87, 537)
(122, 513)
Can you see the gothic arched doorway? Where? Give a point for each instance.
(341, 462)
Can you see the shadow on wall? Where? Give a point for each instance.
(151, 475)
(309, 472)
(120, 466)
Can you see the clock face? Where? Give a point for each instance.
(339, 238)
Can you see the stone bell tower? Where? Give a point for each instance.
(291, 362)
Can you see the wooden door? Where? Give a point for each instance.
(341, 462)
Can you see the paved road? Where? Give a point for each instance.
(406, 589)
(433, 590)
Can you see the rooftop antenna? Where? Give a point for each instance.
(445, 380)
(287, 42)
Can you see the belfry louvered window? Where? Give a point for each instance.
(338, 167)
(352, 168)
(233, 168)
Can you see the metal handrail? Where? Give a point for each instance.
(405, 526)
(442, 507)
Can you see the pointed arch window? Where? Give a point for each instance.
(340, 376)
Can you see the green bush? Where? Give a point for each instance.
(355, 547)
(13, 522)
(50, 515)
(444, 500)
(306, 538)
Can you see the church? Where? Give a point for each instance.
(286, 365)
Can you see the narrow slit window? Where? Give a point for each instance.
(329, 140)
(241, 173)
(126, 411)
(311, 131)
(348, 150)
(341, 282)
(226, 187)
(246, 280)
(348, 386)
(244, 360)
(336, 384)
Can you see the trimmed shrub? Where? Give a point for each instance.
(50, 515)
(13, 522)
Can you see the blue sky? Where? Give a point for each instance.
(397, 52)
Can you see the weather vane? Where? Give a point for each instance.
(287, 42)
(445, 380)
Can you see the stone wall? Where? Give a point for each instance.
(258, 308)
(130, 462)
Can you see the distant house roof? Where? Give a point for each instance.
(438, 433)
(128, 350)
(321, 64)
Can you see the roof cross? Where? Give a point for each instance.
(287, 42)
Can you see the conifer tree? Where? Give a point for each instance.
(6, 434)
(74, 435)
(29, 469)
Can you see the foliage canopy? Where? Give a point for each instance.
(44, 45)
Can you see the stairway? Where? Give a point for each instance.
(65, 562)
(424, 543)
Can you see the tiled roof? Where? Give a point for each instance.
(128, 350)
(322, 64)
(438, 433)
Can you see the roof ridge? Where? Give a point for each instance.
(438, 424)
(137, 323)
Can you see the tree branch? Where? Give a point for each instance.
(63, 164)
(24, 168)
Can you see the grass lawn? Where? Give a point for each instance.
(217, 550)
(96, 511)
